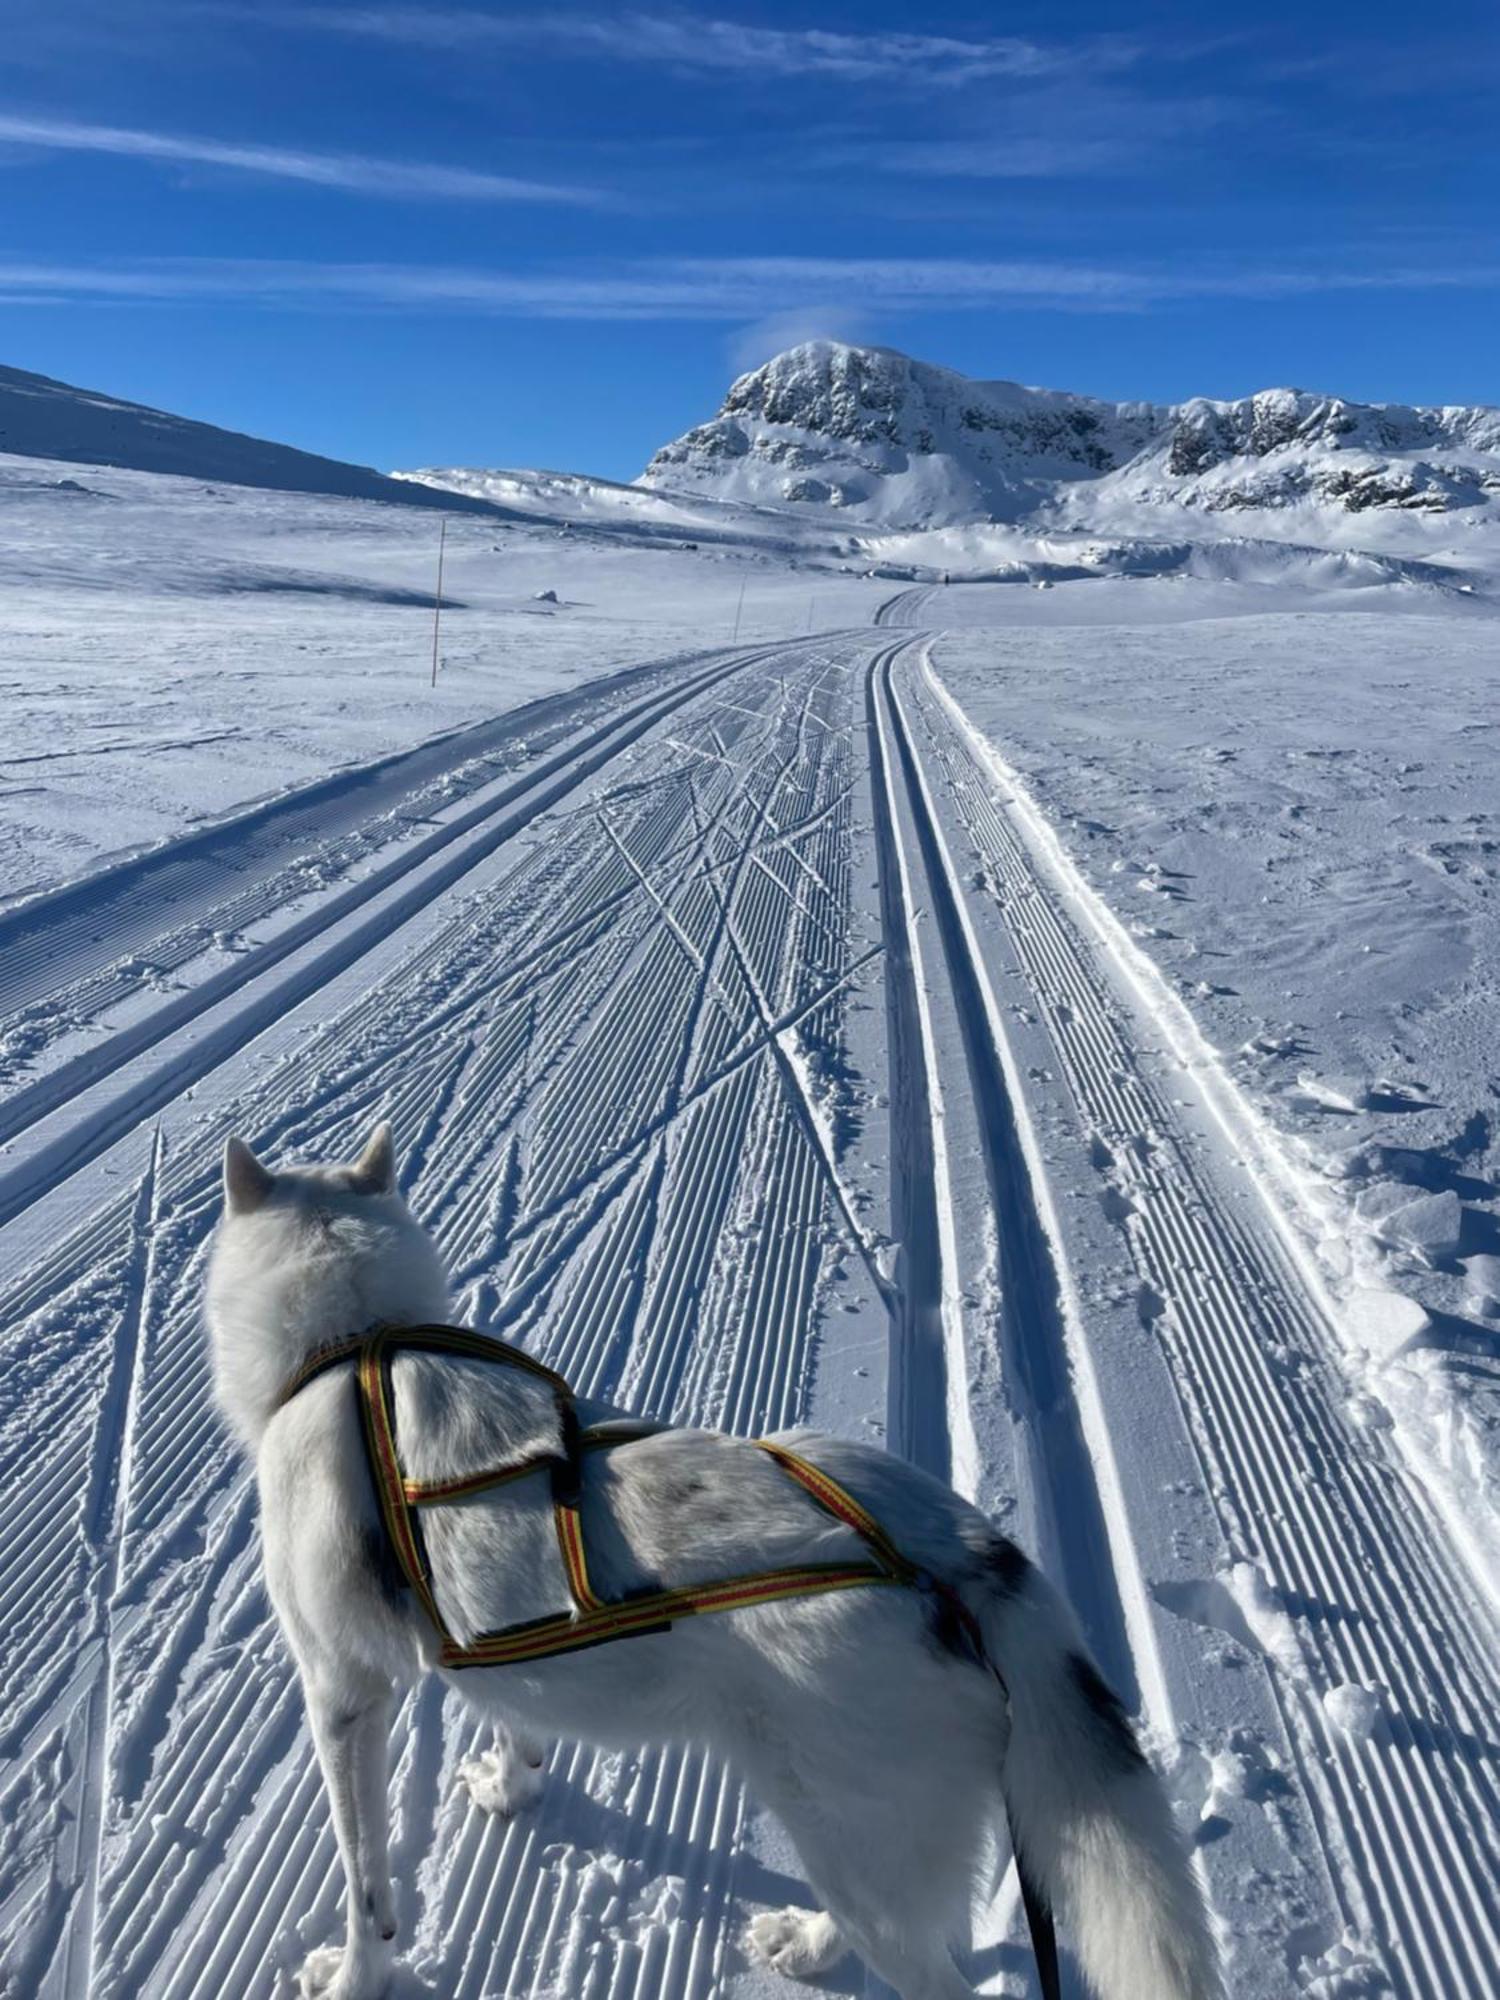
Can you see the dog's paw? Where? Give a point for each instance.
(797, 1943)
(331, 1974)
(503, 1782)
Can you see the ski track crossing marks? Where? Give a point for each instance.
(608, 1016)
(614, 1063)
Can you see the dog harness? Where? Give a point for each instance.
(595, 1621)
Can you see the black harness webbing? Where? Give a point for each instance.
(595, 1621)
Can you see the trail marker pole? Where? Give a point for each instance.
(737, 610)
(437, 599)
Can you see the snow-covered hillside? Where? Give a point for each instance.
(885, 439)
(40, 418)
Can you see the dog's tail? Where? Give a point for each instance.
(1091, 1823)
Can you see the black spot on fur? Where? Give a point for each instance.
(945, 1628)
(382, 1560)
(684, 1489)
(1111, 1722)
(1006, 1566)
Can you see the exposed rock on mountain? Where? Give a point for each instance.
(893, 441)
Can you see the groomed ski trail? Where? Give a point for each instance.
(1334, 1549)
(612, 1048)
(736, 1034)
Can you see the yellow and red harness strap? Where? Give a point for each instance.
(654, 1612)
(575, 1567)
(385, 1466)
(432, 1339)
(836, 1500)
(592, 1621)
(476, 1347)
(317, 1364)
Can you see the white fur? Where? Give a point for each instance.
(885, 1751)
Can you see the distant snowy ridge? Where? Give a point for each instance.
(891, 441)
(41, 418)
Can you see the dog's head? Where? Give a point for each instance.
(306, 1256)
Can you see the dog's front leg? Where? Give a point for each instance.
(351, 1729)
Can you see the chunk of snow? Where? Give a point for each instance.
(1383, 1322)
(1429, 1226)
(1348, 1970)
(1368, 1412)
(1483, 1274)
(1328, 1094)
(1264, 1613)
(1373, 1204)
(1353, 1709)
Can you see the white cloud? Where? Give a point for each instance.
(355, 173)
(804, 294)
(749, 345)
(687, 41)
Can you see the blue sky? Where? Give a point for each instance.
(470, 234)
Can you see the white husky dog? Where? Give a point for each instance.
(857, 1716)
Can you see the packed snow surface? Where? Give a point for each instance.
(1297, 819)
(175, 649)
(1048, 1031)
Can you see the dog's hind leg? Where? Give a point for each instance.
(508, 1778)
(799, 1944)
(351, 1722)
(886, 1878)
(869, 1911)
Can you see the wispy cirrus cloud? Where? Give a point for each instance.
(706, 289)
(353, 173)
(689, 42)
(1059, 131)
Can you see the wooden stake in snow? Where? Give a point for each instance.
(737, 610)
(437, 599)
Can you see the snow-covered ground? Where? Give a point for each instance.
(1112, 966)
(173, 649)
(1297, 817)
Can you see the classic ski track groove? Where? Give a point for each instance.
(1040, 1366)
(1327, 1511)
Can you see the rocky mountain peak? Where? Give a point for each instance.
(889, 439)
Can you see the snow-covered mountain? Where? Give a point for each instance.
(41, 418)
(897, 443)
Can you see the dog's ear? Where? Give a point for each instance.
(374, 1172)
(246, 1181)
